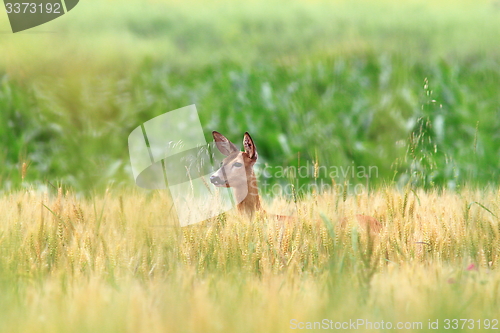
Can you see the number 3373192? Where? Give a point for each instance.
(33, 8)
(470, 324)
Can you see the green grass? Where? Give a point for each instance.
(337, 83)
(335, 111)
(409, 87)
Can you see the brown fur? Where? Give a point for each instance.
(251, 203)
(247, 193)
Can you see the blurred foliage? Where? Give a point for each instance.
(412, 90)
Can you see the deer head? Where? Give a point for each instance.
(236, 171)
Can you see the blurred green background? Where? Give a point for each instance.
(408, 86)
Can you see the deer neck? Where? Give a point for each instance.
(248, 198)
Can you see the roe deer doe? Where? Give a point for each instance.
(236, 172)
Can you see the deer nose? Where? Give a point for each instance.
(215, 180)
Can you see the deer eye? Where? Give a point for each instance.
(237, 164)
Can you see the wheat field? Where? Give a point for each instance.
(407, 87)
(118, 262)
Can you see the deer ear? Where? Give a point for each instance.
(225, 146)
(249, 146)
